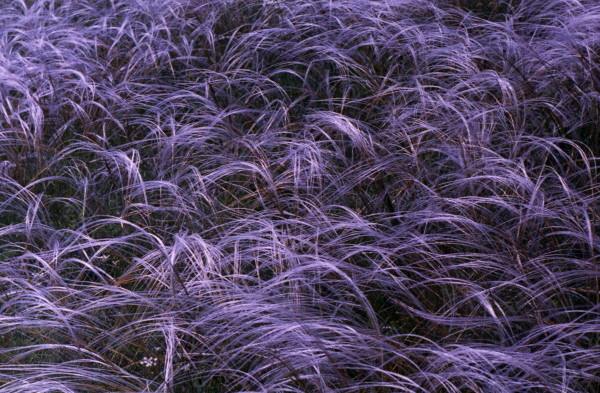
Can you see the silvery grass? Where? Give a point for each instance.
(299, 196)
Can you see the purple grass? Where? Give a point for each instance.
(299, 196)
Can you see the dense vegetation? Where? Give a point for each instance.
(299, 196)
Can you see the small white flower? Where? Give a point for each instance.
(149, 361)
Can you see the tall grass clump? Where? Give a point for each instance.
(299, 196)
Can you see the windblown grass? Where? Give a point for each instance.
(299, 196)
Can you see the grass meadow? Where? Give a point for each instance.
(299, 196)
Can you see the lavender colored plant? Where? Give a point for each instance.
(299, 196)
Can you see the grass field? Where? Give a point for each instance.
(302, 196)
